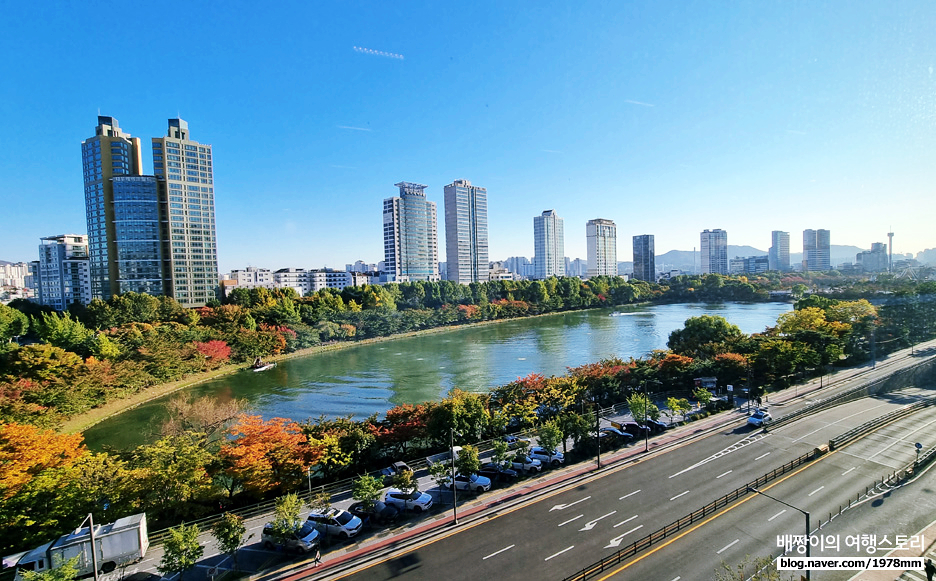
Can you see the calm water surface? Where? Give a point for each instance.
(367, 379)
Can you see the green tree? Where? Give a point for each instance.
(320, 501)
(468, 461)
(704, 337)
(181, 550)
(677, 405)
(405, 481)
(750, 569)
(702, 395)
(286, 519)
(549, 435)
(641, 407)
(441, 473)
(499, 456)
(229, 534)
(366, 489)
(67, 571)
(12, 323)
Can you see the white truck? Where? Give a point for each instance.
(116, 544)
(444, 456)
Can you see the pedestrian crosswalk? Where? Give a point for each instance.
(919, 575)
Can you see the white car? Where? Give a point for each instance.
(759, 418)
(526, 464)
(336, 522)
(552, 457)
(473, 483)
(416, 501)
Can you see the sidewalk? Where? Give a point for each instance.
(911, 575)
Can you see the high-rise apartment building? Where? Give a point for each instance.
(139, 221)
(548, 245)
(190, 249)
(411, 246)
(778, 257)
(817, 250)
(64, 274)
(714, 251)
(111, 152)
(644, 258)
(601, 240)
(466, 232)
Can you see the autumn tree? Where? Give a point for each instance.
(203, 419)
(26, 451)
(171, 476)
(366, 489)
(267, 455)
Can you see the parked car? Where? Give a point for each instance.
(473, 483)
(416, 501)
(526, 464)
(390, 471)
(657, 426)
(378, 513)
(514, 442)
(305, 539)
(336, 522)
(759, 418)
(498, 473)
(613, 438)
(552, 457)
(633, 428)
(717, 404)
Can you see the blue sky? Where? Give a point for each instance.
(666, 117)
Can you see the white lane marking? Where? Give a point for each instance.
(565, 506)
(256, 527)
(616, 541)
(724, 474)
(837, 421)
(631, 494)
(776, 515)
(559, 553)
(624, 521)
(571, 519)
(732, 448)
(849, 470)
(815, 491)
(591, 524)
(762, 455)
(680, 494)
(677, 578)
(726, 547)
(499, 552)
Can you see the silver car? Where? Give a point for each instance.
(416, 501)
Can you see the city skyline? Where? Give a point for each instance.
(699, 116)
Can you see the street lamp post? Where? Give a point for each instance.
(598, 432)
(454, 499)
(94, 562)
(806, 514)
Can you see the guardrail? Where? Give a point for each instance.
(855, 433)
(691, 518)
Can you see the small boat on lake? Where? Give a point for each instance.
(259, 365)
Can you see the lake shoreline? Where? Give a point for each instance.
(86, 420)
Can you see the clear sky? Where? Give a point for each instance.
(666, 117)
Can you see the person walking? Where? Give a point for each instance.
(317, 557)
(930, 570)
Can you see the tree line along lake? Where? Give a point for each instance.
(371, 378)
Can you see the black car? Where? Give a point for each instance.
(614, 438)
(379, 513)
(657, 426)
(498, 473)
(634, 429)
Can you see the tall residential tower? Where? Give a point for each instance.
(817, 250)
(601, 239)
(715, 251)
(778, 257)
(644, 258)
(548, 245)
(189, 248)
(411, 246)
(466, 232)
(111, 152)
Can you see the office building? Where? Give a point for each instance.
(714, 251)
(411, 246)
(111, 152)
(779, 255)
(644, 258)
(601, 243)
(576, 267)
(816, 250)
(190, 250)
(548, 245)
(466, 232)
(748, 264)
(64, 275)
(874, 260)
(520, 265)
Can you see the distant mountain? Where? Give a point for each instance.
(4, 262)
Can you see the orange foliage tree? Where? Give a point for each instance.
(26, 450)
(265, 456)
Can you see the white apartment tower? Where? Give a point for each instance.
(466, 232)
(548, 245)
(191, 251)
(601, 238)
(64, 275)
(714, 251)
